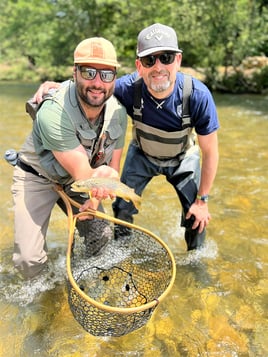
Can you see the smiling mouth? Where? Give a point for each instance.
(95, 91)
(159, 75)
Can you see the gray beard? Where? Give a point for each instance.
(161, 87)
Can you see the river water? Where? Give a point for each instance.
(218, 305)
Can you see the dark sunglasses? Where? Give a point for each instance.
(164, 58)
(107, 75)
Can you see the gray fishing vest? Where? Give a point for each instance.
(161, 147)
(98, 145)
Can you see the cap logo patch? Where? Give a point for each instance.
(158, 34)
(97, 51)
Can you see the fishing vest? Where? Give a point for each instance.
(161, 147)
(98, 145)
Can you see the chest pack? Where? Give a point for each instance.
(160, 145)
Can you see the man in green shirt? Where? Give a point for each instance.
(78, 133)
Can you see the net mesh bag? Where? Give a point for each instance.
(117, 273)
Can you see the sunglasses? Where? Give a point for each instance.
(106, 75)
(164, 58)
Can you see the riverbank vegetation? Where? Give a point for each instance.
(224, 42)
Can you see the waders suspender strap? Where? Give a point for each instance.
(186, 92)
(138, 101)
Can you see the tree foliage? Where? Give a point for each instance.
(211, 33)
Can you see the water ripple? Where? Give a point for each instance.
(16, 290)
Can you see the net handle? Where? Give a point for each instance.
(71, 224)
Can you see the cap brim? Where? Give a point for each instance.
(157, 49)
(98, 61)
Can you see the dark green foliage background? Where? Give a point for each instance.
(42, 34)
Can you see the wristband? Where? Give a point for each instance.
(203, 198)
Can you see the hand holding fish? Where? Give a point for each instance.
(93, 202)
(104, 171)
(103, 192)
(111, 185)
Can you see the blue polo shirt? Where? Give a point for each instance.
(168, 116)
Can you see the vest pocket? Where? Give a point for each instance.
(86, 137)
(114, 131)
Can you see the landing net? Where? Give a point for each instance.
(115, 284)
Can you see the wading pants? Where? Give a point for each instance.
(34, 199)
(139, 170)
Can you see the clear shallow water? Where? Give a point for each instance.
(218, 305)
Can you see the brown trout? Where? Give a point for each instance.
(114, 185)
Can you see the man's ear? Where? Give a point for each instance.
(74, 72)
(138, 65)
(179, 59)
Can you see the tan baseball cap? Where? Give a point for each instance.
(96, 50)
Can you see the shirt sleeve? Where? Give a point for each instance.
(55, 129)
(203, 110)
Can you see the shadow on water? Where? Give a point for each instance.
(219, 302)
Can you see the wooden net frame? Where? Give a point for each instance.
(116, 291)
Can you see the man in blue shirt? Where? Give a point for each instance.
(163, 139)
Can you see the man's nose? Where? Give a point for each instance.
(97, 79)
(158, 64)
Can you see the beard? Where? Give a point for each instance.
(94, 96)
(158, 86)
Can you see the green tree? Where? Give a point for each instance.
(211, 33)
